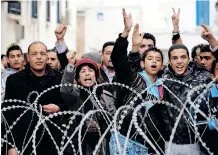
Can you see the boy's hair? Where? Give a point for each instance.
(152, 49)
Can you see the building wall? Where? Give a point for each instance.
(153, 17)
(37, 28)
(92, 31)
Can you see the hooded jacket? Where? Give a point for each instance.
(136, 81)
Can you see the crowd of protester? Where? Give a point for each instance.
(141, 69)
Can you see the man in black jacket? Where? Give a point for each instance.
(36, 78)
(180, 79)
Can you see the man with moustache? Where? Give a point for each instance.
(37, 76)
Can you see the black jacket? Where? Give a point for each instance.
(196, 76)
(134, 59)
(129, 77)
(18, 86)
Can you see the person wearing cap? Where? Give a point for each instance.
(85, 72)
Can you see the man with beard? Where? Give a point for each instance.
(36, 77)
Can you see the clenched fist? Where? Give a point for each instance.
(60, 32)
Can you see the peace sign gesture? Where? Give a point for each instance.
(175, 17)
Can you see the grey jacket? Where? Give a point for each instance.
(4, 76)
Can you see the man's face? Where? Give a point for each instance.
(146, 44)
(152, 63)
(15, 59)
(106, 57)
(37, 57)
(87, 76)
(53, 60)
(179, 61)
(197, 57)
(206, 59)
(4, 61)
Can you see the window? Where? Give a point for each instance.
(48, 11)
(58, 12)
(100, 16)
(34, 9)
(14, 8)
(202, 12)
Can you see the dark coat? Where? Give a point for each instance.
(196, 76)
(75, 98)
(131, 78)
(210, 137)
(18, 86)
(134, 59)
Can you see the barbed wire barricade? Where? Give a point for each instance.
(114, 122)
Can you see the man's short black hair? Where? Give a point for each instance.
(206, 48)
(149, 36)
(35, 42)
(52, 50)
(3, 56)
(13, 47)
(177, 46)
(152, 49)
(109, 43)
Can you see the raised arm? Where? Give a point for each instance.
(176, 39)
(119, 53)
(60, 45)
(69, 93)
(207, 35)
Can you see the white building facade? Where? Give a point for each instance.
(93, 22)
(31, 21)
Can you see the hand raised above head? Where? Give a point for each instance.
(60, 32)
(127, 20)
(175, 20)
(206, 33)
(136, 37)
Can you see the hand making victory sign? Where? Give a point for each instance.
(175, 20)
